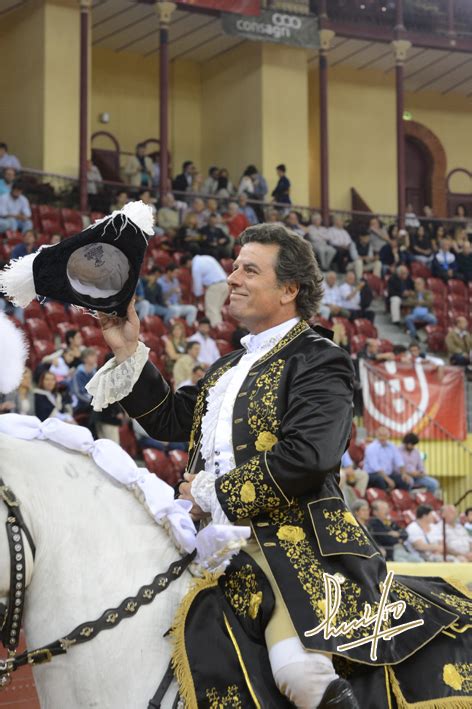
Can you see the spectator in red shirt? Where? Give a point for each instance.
(235, 220)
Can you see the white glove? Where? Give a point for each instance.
(217, 544)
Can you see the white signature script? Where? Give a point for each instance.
(370, 617)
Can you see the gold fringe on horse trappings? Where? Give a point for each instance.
(440, 703)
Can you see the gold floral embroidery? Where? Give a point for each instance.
(262, 406)
(201, 400)
(242, 592)
(297, 330)
(458, 676)
(411, 599)
(246, 490)
(462, 605)
(344, 527)
(289, 533)
(265, 441)
(230, 699)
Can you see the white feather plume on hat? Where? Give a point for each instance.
(13, 354)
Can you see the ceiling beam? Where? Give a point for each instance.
(445, 73)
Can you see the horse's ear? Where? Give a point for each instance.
(96, 269)
(13, 354)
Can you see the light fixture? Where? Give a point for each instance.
(104, 117)
(407, 116)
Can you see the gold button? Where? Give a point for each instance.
(270, 544)
(241, 447)
(238, 420)
(262, 524)
(242, 393)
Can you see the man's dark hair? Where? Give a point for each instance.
(143, 191)
(70, 334)
(295, 264)
(281, 167)
(410, 438)
(423, 510)
(469, 509)
(191, 344)
(4, 146)
(171, 267)
(17, 186)
(185, 259)
(204, 321)
(212, 169)
(186, 164)
(153, 270)
(197, 368)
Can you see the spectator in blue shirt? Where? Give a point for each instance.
(171, 293)
(8, 179)
(83, 374)
(247, 210)
(444, 264)
(384, 464)
(26, 247)
(281, 193)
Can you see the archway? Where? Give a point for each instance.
(425, 149)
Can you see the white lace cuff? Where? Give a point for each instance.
(114, 381)
(204, 494)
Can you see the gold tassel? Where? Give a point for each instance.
(180, 663)
(440, 703)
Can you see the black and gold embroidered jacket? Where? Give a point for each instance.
(291, 424)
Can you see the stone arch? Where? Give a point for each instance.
(433, 147)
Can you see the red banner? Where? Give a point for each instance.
(419, 398)
(241, 7)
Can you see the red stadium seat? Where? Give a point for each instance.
(72, 216)
(374, 282)
(41, 348)
(188, 329)
(92, 336)
(454, 285)
(152, 341)
(408, 517)
(223, 331)
(128, 440)
(82, 319)
(35, 216)
(427, 498)
(363, 326)
(224, 347)
(157, 462)
(437, 286)
(161, 258)
(436, 338)
(38, 329)
(63, 327)
(458, 302)
(51, 226)
(402, 500)
(385, 346)
(34, 310)
(419, 270)
(375, 493)
(55, 313)
(154, 325)
(48, 212)
(102, 353)
(227, 264)
(179, 460)
(70, 229)
(94, 216)
(357, 343)
(397, 517)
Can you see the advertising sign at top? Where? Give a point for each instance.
(243, 7)
(275, 26)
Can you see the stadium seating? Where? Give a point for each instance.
(158, 462)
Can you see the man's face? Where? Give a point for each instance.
(316, 219)
(212, 205)
(77, 340)
(256, 298)
(204, 328)
(198, 205)
(233, 209)
(419, 285)
(363, 513)
(414, 351)
(449, 513)
(16, 192)
(146, 197)
(90, 361)
(292, 219)
(197, 375)
(382, 510)
(467, 247)
(462, 323)
(350, 278)
(2, 152)
(445, 244)
(29, 238)
(403, 273)
(382, 435)
(338, 222)
(331, 279)
(9, 175)
(364, 239)
(372, 346)
(242, 200)
(194, 351)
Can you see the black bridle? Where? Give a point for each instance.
(11, 615)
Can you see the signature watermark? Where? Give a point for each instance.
(371, 618)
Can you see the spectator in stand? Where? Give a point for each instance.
(247, 210)
(464, 263)
(21, 400)
(444, 264)
(421, 303)
(72, 354)
(188, 237)
(331, 301)
(209, 351)
(422, 535)
(8, 179)
(411, 220)
(413, 464)
(459, 343)
(388, 535)
(395, 252)
(156, 170)
(292, 222)
(429, 221)
(94, 178)
(260, 187)
(7, 160)
(212, 205)
(175, 345)
(153, 295)
(421, 246)
(378, 234)
(184, 365)
(235, 220)
(414, 355)
(197, 373)
(468, 520)
(83, 374)
(360, 510)
(168, 216)
(145, 441)
(458, 541)
(400, 286)
(225, 187)
(139, 169)
(210, 185)
(143, 306)
(458, 240)
(370, 260)
(274, 216)
(384, 464)
(55, 239)
(15, 210)
(184, 181)
(281, 193)
(215, 242)
(352, 477)
(199, 210)
(172, 296)
(48, 401)
(351, 297)
(209, 283)
(28, 245)
(122, 198)
(345, 247)
(317, 235)
(371, 352)
(246, 184)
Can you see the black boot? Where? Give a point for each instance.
(338, 695)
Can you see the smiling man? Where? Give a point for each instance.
(267, 427)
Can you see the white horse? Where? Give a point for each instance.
(95, 545)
